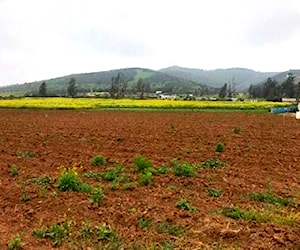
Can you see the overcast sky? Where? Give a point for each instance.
(41, 39)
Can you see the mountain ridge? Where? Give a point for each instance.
(171, 79)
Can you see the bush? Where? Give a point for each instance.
(98, 160)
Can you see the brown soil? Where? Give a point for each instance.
(264, 152)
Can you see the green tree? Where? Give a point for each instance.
(223, 91)
(142, 88)
(72, 88)
(43, 89)
(118, 86)
(288, 87)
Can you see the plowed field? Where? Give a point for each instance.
(262, 154)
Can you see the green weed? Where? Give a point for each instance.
(162, 169)
(237, 213)
(185, 204)
(69, 181)
(112, 174)
(165, 227)
(220, 147)
(237, 130)
(98, 160)
(15, 243)
(56, 232)
(269, 197)
(211, 163)
(214, 192)
(43, 181)
(146, 178)
(97, 196)
(106, 233)
(184, 169)
(141, 163)
(26, 154)
(14, 170)
(130, 185)
(144, 222)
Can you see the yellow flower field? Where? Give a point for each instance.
(96, 103)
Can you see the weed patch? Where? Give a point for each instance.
(144, 222)
(98, 160)
(269, 197)
(15, 243)
(220, 147)
(172, 229)
(56, 232)
(214, 192)
(141, 163)
(185, 204)
(14, 170)
(184, 169)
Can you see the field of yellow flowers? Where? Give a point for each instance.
(96, 103)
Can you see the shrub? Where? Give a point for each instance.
(185, 204)
(214, 192)
(98, 160)
(220, 147)
(15, 243)
(141, 163)
(13, 170)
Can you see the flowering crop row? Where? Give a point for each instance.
(96, 103)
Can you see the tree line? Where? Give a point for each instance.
(271, 90)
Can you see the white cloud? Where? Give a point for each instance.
(49, 38)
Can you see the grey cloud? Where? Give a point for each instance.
(110, 42)
(273, 28)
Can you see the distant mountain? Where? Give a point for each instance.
(216, 78)
(281, 77)
(101, 81)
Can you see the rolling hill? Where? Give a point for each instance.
(174, 79)
(101, 81)
(216, 78)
